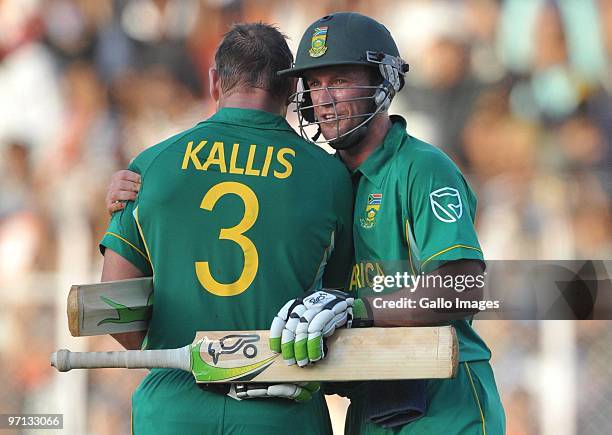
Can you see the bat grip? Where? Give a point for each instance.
(64, 360)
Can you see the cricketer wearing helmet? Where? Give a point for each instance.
(413, 208)
(233, 216)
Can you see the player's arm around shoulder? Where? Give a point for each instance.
(125, 184)
(124, 251)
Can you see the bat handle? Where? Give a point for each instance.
(64, 360)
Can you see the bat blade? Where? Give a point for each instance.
(110, 307)
(244, 356)
(354, 354)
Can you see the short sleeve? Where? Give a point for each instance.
(123, 237)
(441, 212)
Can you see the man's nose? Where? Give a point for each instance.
(322, 97)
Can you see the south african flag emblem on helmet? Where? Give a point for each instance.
(318, 45)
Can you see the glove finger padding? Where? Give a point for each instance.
(278, 324)
(289, 391)
(301, 338)
(324, 324)
(300, 392)
(299, 328)
(313, 387)
(287, 346)
(306, 390)
(288, 334)
(324, 311)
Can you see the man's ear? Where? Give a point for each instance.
(214, 86)
(292, 88)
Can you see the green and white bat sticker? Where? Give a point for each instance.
(126, 314)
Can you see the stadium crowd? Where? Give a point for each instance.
(517, 92)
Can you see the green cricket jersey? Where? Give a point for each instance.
(413, 207)
(234, 217)
(414, 210)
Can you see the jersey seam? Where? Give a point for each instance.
(233, 124)
(164, 150)
(409, 247)
(143, 239)
(129, 243)
(329, 249)
(450, 249)
(467, 368)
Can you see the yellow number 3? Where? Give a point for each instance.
(235, 234)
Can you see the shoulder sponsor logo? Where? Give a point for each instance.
(446, 204)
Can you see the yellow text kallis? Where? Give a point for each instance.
(216, 156)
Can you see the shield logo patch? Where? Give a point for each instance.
(446, 204)
(318, 45)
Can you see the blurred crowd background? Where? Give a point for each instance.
(517, 92)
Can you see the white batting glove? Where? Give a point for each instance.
(300, 392)
(299, 329)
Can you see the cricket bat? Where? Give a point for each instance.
(244, 356)
(110, 307)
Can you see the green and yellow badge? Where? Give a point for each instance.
(318, 46)
(374, 202)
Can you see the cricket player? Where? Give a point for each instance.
(233, 217)
(412, 206)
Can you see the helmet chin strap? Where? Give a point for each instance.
(381, 102)
(350, 140)
(353, 138)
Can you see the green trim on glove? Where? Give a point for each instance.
(303, 396)
(275, 344)
(315, 349)
(362, 314)
(301, 351)
(306, 391)
(287, 351)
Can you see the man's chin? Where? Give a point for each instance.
(331, 133)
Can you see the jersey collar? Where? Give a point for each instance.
(250, 118)
(377, 165)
